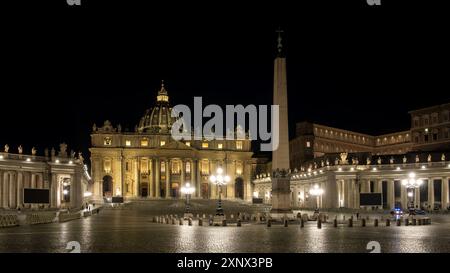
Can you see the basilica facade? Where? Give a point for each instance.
(149, 164)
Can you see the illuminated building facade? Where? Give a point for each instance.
(149, 164)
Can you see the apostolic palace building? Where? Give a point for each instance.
(345, 163)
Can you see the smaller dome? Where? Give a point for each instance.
(158, 119)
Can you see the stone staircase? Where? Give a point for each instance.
(197, 206)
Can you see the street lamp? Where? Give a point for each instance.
(317, 192)
(411, 184)
(187, 190)
(219, 179)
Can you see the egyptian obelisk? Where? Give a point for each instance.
(281, 192)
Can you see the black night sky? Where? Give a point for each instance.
(351, 66)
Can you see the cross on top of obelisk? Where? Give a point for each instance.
(279, 46)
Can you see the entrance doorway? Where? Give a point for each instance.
(144, 189)
(107, 186)
(239, 188)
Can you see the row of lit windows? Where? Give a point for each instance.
(175, 167)
(346, 136)
(426, 120)
(144, 143)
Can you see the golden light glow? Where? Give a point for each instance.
(205, 145)
(144, 142)
(127, 142)
(162, 98)
(239, 145)
(162, 143)
(219, 146)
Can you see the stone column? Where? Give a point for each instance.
(417, 197)
(19, 189)
(53, 191)
(168, 178)
(391, 193)
(33, 181)
(431, 193)
(231, 172)
(183, 172)
(137, 174)
(247, 171)
(198, 178)
(1, 189)
(194, 181)
(58, 192)
(157, 177)
(444, 193)
(5, 197)
(73, 191)
(212, 170)
(12, 190)
(379, 186)
(404, 197)
(356, 195)
(151, 185)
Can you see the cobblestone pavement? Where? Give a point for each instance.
(131, 230)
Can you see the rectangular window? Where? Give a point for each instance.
(162, 143)
(127, 142)
(188, 167)
(219, 146)
(205, 145)
(238, 145)
(144, 142)
(308, 144)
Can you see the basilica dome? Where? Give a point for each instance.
(157, 119)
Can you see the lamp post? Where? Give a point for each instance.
(187, 190)
(219, 179)
(317, 192)
(411, 184)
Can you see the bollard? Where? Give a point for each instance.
(239, 223)
(200, 222)
(319, 223)
(335, 223)
(285, 222)
(363, 222)
(224, 223)
(167, 221)
(204, 216)
(154, 219)
(414, 221)
(375, 223)
(173, 221)
(388, 222)
(190, 221)
(350, 222)
(302, 223)
(210, 221)
(419, 222)
(269, 223)
(406, 222)
(399, 223)
(343, 217)
(181, 221)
